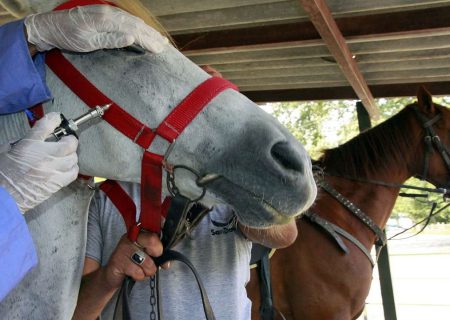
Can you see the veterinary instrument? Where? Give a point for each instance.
(71, 126)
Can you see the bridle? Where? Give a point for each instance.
(432, 143)
(170, 128)
(153, 210)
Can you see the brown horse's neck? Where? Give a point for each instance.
(390, 153)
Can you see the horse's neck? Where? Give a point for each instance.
(375, 201)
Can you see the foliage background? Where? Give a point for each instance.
(320, 125)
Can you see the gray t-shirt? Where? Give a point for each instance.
(219, 252)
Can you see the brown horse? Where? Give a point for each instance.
(315, 278)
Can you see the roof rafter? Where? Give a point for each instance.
(324, 22)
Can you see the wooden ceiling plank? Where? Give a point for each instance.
(279, 72)
(368, 63)
(234, 17)
(387, 57)
(346, 92)
(289, 80)
(172, 7)
(321, 84)
(322, 19)
(328, 84)
(387, 23)
(272, 64)
(424, 75)
(206, 16)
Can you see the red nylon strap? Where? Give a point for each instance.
(151, 189)
(38, 113)
(86, 91)
(78, 3)
(170, 128)
(123, 203)
(190, 107)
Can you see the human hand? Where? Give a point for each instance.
(89, 28)
(120, 264)
(33, 169)
(211, 71)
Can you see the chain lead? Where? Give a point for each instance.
(153, 297)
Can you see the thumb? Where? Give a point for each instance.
(114, 40)
(45, 126)
(152, 42)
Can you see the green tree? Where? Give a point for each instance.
(320, 125)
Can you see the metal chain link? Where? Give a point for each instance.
(153, 297)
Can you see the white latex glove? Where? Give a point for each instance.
(32, 170)
(89, 28)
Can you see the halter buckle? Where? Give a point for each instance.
(436, 139)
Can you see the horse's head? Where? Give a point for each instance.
(434, 119)
(263, 172)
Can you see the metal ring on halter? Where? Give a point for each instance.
(172, 187)
(138, 257)
(207, 179)
(169, 149)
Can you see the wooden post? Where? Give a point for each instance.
(384, 269)
(387, 292)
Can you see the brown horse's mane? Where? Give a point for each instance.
(375, 150)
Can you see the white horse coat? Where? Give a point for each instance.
(266, 173)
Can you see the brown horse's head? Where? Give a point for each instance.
(435, 126)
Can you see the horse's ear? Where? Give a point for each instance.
(425, 101)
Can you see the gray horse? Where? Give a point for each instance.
(265, 173)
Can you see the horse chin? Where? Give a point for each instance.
(251, 209)
(254, 221)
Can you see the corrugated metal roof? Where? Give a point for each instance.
(272, 51)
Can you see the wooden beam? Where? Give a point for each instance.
(333, 93)
(426, 19)
(322, 19)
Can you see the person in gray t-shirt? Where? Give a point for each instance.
(217, 247)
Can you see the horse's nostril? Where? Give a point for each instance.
(287, 156)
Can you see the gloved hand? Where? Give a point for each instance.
(89, 28)
(32, 170)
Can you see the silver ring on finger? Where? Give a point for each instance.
(138, 257)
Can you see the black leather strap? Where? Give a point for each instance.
(381, 237)
(334, 231)
(266, 310)
(182, 216)
(168, 255)
(172, 255)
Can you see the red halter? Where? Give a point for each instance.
(170, 128)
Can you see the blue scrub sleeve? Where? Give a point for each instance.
(22, 79)
(17, 251)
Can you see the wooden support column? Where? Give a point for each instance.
(387, 291)
(321, 17)
(384, 269)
